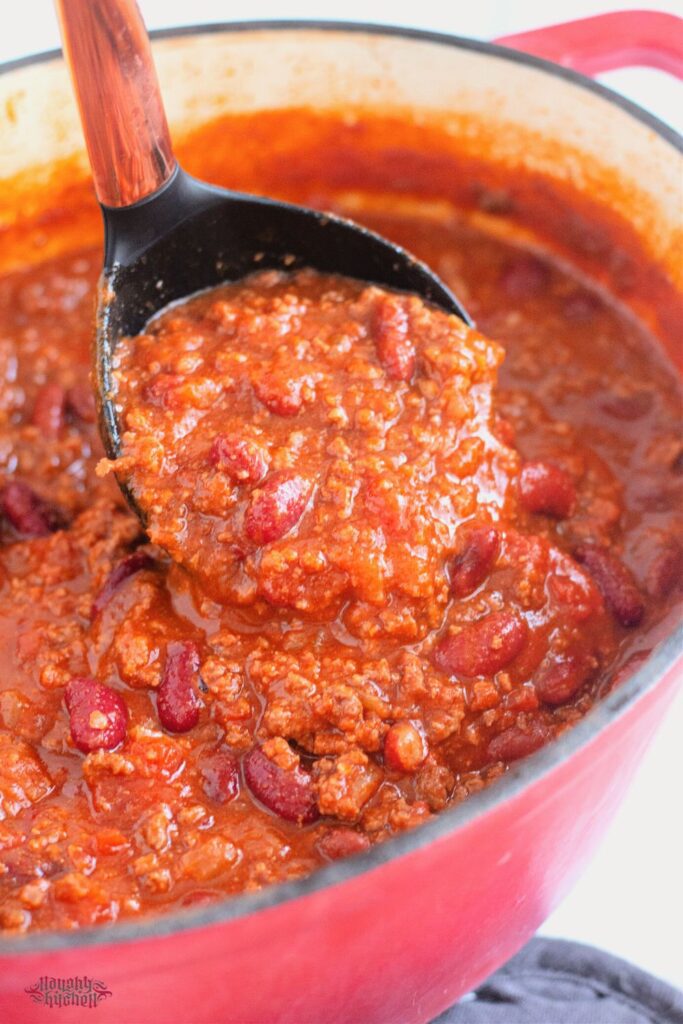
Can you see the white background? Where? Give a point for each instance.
(630, 900)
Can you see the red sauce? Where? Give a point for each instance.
(170, 737)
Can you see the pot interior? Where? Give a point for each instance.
(423, 109)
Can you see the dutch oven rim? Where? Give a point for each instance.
(528, 771)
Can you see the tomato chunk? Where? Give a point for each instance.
(280, 394)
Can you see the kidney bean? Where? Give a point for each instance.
(97, 714)
(241, 459)
(525, 276)
(629, 407)
(665, 575)
(389, 505)
(517, 742)
(472, 564)
(28, 513)
(404, 747)
(280, 394)
(615, 582)
(391, 329)
(48, 410)
(289, 794)
(276, 507)
(220, 776)
(80, 402)
(128, 566)
(546, 489)
(560, 678)
(177, 701)
(484, 647)
(342, 842)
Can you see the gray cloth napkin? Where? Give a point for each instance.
(556, 982)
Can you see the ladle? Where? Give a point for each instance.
(167, 234)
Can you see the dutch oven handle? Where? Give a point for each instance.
(608, 41)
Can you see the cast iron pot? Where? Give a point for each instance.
(398, 934)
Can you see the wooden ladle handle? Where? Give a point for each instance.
(108, 52)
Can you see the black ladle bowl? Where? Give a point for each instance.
(168, 235)
(210, 236)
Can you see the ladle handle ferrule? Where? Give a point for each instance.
(108, 51)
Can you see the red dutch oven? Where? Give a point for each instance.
(397, 934)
